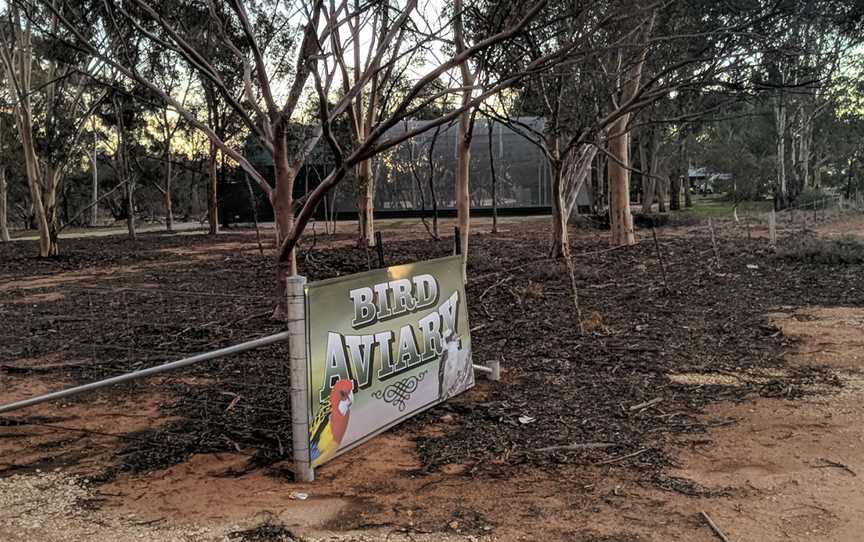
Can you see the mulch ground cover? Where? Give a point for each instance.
(602, 396)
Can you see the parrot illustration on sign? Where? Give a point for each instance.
(455, 373)
(331, 422)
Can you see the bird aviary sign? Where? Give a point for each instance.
(381, 347)
(366, 352)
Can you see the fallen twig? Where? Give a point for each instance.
(714, 527)
(489, 289)
(577, 446)
(646, 404)
(622, 457)
(835, 464)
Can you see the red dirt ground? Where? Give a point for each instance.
(786, 469)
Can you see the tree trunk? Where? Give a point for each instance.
(53, 176)
(212, 188)
(662, 187)
(817, 175)
(620, 218)
(282, 199)
(432, 193)
(23, 119)
(804, 149)
(688, 197)
(599, 188)
(169, 204)
(463, 204)
(366, 202)
(46, 247)
(130, 209)
(677, 171)
(463, 144)
(94, 193)
(494, 179)
(4, 227)
(674, 191)
(648, 180)
(123, 166)
(560, 239)
(780, 121)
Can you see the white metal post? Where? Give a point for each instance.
(495, 375)
(299, 378)
(492, 370)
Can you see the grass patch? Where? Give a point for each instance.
(719, 207)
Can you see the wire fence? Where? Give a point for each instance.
(63, 334)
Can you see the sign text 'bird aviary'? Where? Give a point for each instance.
(381, 346)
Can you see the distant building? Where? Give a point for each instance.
(706, 181)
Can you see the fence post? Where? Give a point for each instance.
(299, 378)
(772, 228)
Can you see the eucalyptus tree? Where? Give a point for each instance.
(52, 98)
(624, 58)
(165, 70)
(8, 154)
(271, 96)
(468, 75)
(585, 101)
(810, 43)
(354, 58)
(697, 56)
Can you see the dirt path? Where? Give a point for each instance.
(788, 470)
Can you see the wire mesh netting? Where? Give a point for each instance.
(418, 175)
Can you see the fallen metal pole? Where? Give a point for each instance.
(221, 353)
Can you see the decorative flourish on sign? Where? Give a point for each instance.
(399, 392)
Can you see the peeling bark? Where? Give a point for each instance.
(366, 202)
(560, 237)
(620, 217)
(282, 199)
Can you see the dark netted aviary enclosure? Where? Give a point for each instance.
(417, 176)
